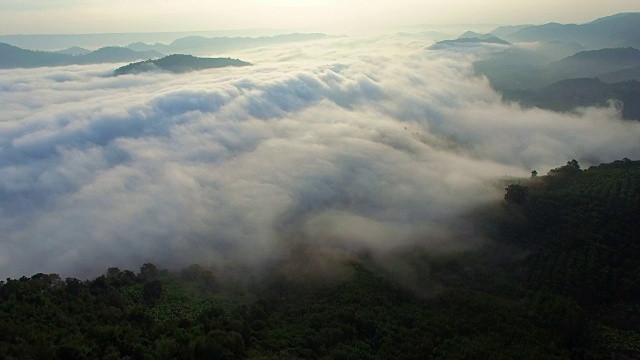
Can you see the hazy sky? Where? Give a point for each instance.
(96, 16)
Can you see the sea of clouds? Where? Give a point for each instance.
(339, 146)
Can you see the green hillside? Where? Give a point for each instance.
(179, 64)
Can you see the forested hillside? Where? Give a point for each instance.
(178, 64)
(558, 278)
(567, 95)
(15, 57)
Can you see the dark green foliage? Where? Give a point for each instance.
(572, 167)
(559, 280)
(371, 318)
(582, 236)
(516, 194)
(152, 291)
(116, 316)
(148, 272)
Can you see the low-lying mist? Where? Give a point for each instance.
(338, 147)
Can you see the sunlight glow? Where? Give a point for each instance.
(80, 16)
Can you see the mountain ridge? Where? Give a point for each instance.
(203, 45)
(15, 57)
(619, 30)
(569, 94)
(178, 63)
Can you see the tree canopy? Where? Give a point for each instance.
(558, 280)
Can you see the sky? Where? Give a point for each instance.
(101, 16)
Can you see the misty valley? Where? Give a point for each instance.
(427, 194)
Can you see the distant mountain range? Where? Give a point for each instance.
(503, 31)
(74, 50)
(587, 78)
(630, 73)
(464, 41)
(621, 30)
(140, 46)
(563, 66)
(609, 65)
(217, 45)
(567, 95)
(178, 64)
(15, 57)
(53, 42)
(594, 63)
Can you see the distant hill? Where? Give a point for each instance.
(15, 57)
(466, 41)
(557, 49)
(506, 75)
(594, 62)
(475, 35)
(74, 50)
(567, 95)
(178, 64)
(112, 54)
(540, 55)
(140, 46)
(568, 66)
(208, 45)
(632, 73)
(503, 31)
(199, 44)
(53, 42)
(513, 69)
(619, 30)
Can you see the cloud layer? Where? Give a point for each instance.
(341, 146)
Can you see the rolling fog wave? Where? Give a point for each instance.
(343, 146)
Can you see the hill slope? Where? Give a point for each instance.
(631, 73)
(15, 57)
(619, 30)
(567, 95)
(475, 35)
(211, 45)
(446, 44)
(179, 64)
(558, 280)
(74, 50)
(594, 62)
(111, 54)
